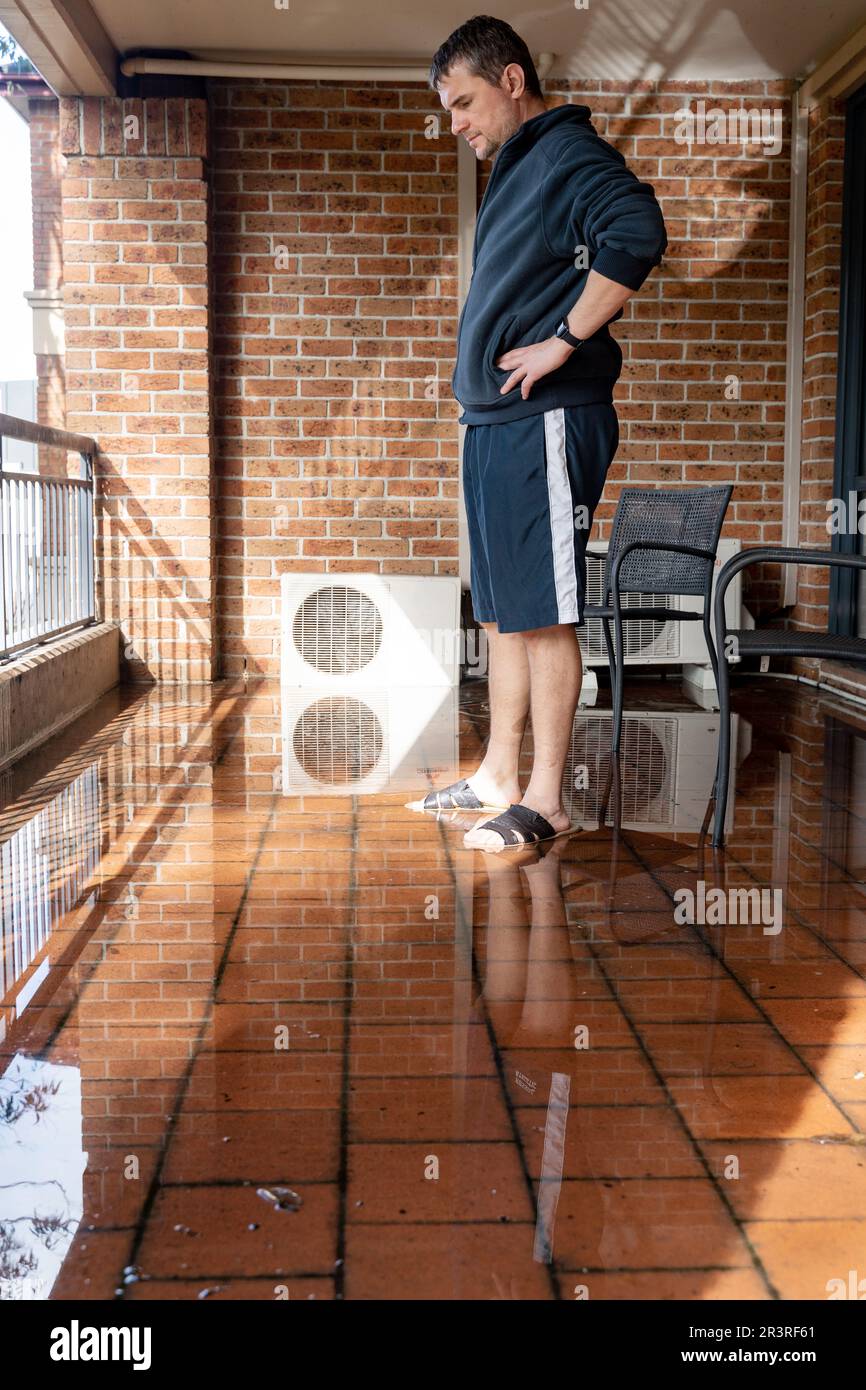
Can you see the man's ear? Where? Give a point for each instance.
(513, 81)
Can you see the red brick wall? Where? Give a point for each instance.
(821, 333)
(332, 452)
(135, 235)
(46, 164)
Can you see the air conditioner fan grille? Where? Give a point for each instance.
(337, 630)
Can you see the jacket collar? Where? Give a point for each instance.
(538, 126)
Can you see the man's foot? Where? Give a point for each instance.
(526, 824)
(479, 792)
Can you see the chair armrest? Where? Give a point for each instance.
(776, 555)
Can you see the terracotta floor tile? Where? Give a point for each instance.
(643, 1224)
(114, 1190)
(621, 1141)
(93, 1266)
(618, 1076)
(423, 1108)
(841, 1070)
(474, 1182)
(777, 1107)
(658, 962)
(661, 1285)
(836, 1022)
(681, 1001)
(804, 979)
(803, 1257)
(776, 1179)
(265, 1146)
(215, 1238)
(285, 1080)
(718, 1049)
(426, 1048)
(465, 1262)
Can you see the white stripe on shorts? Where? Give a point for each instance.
(561, 517)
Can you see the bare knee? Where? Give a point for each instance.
(546, 634)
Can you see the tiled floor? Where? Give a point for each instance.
(234, 963)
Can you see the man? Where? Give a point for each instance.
(565, 235)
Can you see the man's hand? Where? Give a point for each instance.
(529, 364)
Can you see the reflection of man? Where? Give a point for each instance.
(565, 235)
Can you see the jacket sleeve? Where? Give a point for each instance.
(592, 199)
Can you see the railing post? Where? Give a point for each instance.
(3, 633)
(47, 535)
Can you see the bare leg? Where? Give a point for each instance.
(555, 672)
(495, 781)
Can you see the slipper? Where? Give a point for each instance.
(520, 827)
(459, 796)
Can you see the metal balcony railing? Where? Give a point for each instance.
(47, 582)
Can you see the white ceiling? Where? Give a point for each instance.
(608, 39)
(75, 43)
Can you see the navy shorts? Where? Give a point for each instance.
(531, 487)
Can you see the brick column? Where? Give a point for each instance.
(820, 349)
(136, 264)
(45, 187)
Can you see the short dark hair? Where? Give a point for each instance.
(487, 46)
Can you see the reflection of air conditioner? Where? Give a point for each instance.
(368, 631)
(668, 766)
(354, 743)
(646, 641)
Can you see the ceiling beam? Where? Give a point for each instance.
(66, 42)
(839, 75)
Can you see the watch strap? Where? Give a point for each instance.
(567, 336)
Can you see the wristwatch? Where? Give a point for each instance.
(567, 336)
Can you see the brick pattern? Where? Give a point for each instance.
(45, 188)
(135, 243)
(333, 275)
(821, 330)
(335, 221)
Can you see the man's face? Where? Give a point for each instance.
(486, 116)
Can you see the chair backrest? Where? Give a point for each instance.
(685, 516)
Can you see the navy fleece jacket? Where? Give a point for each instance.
(555, 187)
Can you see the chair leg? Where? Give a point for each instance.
(617, 792)
(601, 808)
(611, 658)
(714, 659)
(723, 764)
(711, 648)
(618, 671)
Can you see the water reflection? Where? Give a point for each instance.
(251, 969)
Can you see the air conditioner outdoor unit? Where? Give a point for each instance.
(364, 742)
(651, 642)
(343, 632)
(668, 766)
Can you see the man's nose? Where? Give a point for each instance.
(459, 122)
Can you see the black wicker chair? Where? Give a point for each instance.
(663, 541)
(768, 641)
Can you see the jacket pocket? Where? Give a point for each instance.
(497, 346)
